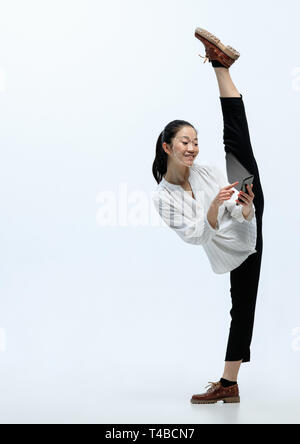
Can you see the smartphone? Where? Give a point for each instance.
(248, 181)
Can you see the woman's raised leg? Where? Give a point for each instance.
(237, 143)
(226, 86)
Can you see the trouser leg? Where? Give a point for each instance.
(244, 280)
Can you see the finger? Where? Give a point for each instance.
(250, 189)
(241, 203)
(249, 193)
(230, 186)
(246, 196)
(249, 198)
(241, 198)
(227, 191)
(252, 194)
(224, 192)
(244, 202)
(226, 195)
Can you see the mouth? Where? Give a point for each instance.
(190, 157)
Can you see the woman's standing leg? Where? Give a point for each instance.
(244, 279)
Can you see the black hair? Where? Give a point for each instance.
(159, 167)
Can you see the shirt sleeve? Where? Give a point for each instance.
(193, 230)
(236, 211)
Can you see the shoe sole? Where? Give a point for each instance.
(228, 50)
(235, 400)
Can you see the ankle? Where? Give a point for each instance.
(221, 69)
(216, 64)
(230, 378)
(227, 383)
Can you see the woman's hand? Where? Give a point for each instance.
(247, 200)
(224, 194)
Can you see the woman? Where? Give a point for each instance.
(199, 204)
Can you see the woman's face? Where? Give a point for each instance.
(185, 146)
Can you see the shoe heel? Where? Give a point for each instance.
(231, 52)
(235, 400)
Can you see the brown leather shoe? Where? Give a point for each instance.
(216, 392)
(215, 50)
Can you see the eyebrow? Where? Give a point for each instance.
(196, 138)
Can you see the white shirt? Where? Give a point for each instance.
(234, 238)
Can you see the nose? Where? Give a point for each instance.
(192, 144)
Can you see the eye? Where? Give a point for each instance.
(185, 143)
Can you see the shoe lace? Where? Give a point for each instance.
(212, 386)
(204, 57)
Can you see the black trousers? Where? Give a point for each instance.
(244, 279)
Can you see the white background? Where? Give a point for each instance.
(123, 323)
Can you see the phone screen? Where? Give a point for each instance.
(246, 181)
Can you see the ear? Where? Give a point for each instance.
(166, 148)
